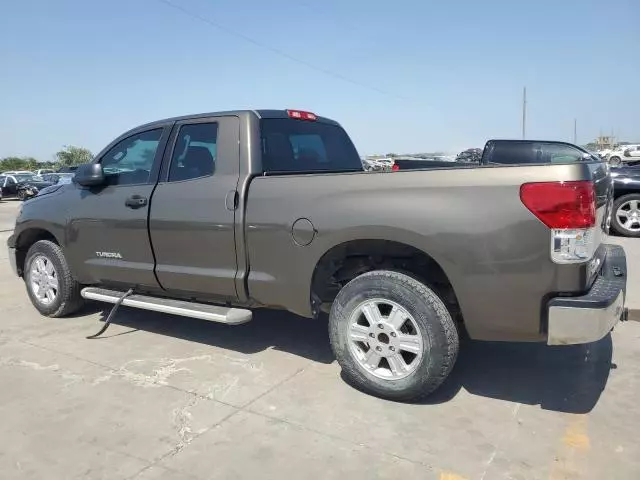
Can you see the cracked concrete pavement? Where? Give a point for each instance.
(162, 397)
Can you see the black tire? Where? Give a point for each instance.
(21, 195)
(615, 222)
(438, 331)
(615, 161)
(68, 299)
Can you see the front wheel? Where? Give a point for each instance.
(51, 288)
(392, 335)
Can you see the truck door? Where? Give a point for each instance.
(107, 236)
(193, 209)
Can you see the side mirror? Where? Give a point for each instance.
(89, 175)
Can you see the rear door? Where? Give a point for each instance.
(193, 209)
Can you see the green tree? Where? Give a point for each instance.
(71, 155)
(19, 163)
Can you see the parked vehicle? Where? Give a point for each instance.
(15, 186)
(44, 171)
(17, 172)
(626, 207)
(212, 215)
(58, 177)
(510, 152)
(470, 155)
(623, 154)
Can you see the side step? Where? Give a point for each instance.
(203, 311)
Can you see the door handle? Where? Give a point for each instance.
(135, 201)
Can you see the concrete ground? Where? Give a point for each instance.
(162, 397)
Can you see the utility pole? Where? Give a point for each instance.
(524, 112)
(575, 131)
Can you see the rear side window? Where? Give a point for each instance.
(194, 155)
(513, 153)
(290, 145)
(517, 153)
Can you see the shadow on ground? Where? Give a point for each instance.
(566, 379)
(269, 329)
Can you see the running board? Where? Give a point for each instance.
(203, 311)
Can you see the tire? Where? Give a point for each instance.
(615, 161)
(435, 338)
(67, 297)
(21, 195)
(628, 202)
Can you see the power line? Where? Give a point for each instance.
(275, 50)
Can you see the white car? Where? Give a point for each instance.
(17, 172)
(624, 153)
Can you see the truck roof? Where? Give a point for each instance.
(264, 113)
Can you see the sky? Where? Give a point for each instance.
(400, 76)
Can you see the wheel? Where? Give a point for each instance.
(615, 161)
(50, 286)
(21, 195)
(626, 215)
(392, 335)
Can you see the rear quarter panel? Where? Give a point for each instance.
(471, 221)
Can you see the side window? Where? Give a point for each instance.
(195, 151)
(11, 181)
(557, 153)
(130, 161)
(514, 153)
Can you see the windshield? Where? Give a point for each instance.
(27, 178)
(290, 145)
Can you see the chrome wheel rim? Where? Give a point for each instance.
(628, 215)
(385, 339)
(43, 280)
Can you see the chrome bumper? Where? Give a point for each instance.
(12, 260)
(590, 317)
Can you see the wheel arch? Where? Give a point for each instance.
(26, 239)
(346, 260)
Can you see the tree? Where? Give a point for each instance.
(19, 163)
(71, 156)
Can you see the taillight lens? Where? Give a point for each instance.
(561, 204)
(569, 210)
(395, 167)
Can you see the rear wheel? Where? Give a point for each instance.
(392, 335)
(626, 215)
(615, 161)
(51, 288)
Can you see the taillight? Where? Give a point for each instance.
(301, 115)
(395, 167)
(569, 210)
(561, 204)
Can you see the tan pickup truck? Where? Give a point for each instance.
(212, 215)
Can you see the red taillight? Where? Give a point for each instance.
(561, 204)
(300, 115)
(395, 167)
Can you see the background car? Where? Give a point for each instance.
(624, 154)
(12, 185)
(625, 214)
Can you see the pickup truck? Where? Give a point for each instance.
(213, 215)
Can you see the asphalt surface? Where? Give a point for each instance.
(163, 397)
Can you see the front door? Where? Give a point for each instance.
(10, 187)
(107, 235)
(192, 217)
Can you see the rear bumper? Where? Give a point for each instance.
(590, 317)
